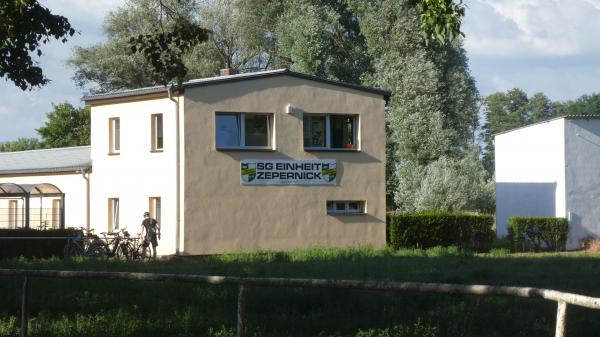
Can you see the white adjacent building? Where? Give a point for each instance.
(551, 168)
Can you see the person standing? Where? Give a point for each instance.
(150, 233)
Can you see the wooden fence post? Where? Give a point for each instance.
(24, 305)
(241, 311)
(561, 319)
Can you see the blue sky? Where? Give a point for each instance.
(548, 46)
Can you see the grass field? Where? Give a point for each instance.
(130, 308)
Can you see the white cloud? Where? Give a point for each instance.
(534, 28)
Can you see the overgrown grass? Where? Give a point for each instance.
(128, 308)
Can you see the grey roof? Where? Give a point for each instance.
(231, 78)
(549, 120)
(45, 161)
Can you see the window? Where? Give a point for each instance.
(157, 132)
(13, 213)
(113, 214)
(154, 208)
(114, 135)
(243, 130)
(56, 213)
(322, 132)
(346, 207)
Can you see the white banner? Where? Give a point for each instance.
(288, 172)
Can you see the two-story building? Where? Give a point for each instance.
(273, 159)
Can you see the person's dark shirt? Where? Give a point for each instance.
(150, 225)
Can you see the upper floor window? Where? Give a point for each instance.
(243, 130)
(114, 135)
(157, 132)
(322, 132)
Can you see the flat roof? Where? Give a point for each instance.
(230, 78)
(46, 161)
(549, 120)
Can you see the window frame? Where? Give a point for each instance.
(328, 133)
(154, 132)
(152, 203)
(113, 222)
(362, 207)
(242, 131)
(114, 146)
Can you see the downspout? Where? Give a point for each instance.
(87, 197)
(177, 177)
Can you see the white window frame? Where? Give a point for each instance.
(327, 147)
(154, 132)
(152, 209)
(362, 207)
(114, 211)
(112, 135)
(242, 117)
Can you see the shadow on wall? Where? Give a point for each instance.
(523, 199)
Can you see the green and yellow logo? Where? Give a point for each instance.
(248, 172)
(328, 172)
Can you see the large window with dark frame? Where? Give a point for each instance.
(243, 131)
(337, 132)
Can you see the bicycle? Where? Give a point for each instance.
(84, 244)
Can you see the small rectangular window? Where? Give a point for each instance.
(346, 207)
(56, 213)
(114, 135)
(157, 132)
(13, 213)
(322, 132)
(155, 208)
(113, 214)
(243, 130)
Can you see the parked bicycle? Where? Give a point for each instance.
(85, 244)
(118, 244)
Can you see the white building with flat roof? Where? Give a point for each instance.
(551, 169)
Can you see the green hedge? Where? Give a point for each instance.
(537, 233)
(39, 248)
(430, 229)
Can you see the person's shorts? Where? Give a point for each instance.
(150, 239)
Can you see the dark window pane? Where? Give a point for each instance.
(314, 131)
(117, 134)
(257, 130)
(227, 130)
(159, 131)
(342, 132)
(340, 206)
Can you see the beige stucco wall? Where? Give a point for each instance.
(222, 215)
(136, 173)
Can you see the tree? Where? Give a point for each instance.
(164, 47)
(66, 126)
(505, 111)
(21, 144)
(25, 25)
(432, 117)
(111, 65)
(584, 105)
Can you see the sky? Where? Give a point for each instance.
(548, 46)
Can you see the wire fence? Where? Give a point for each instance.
(562, 298)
